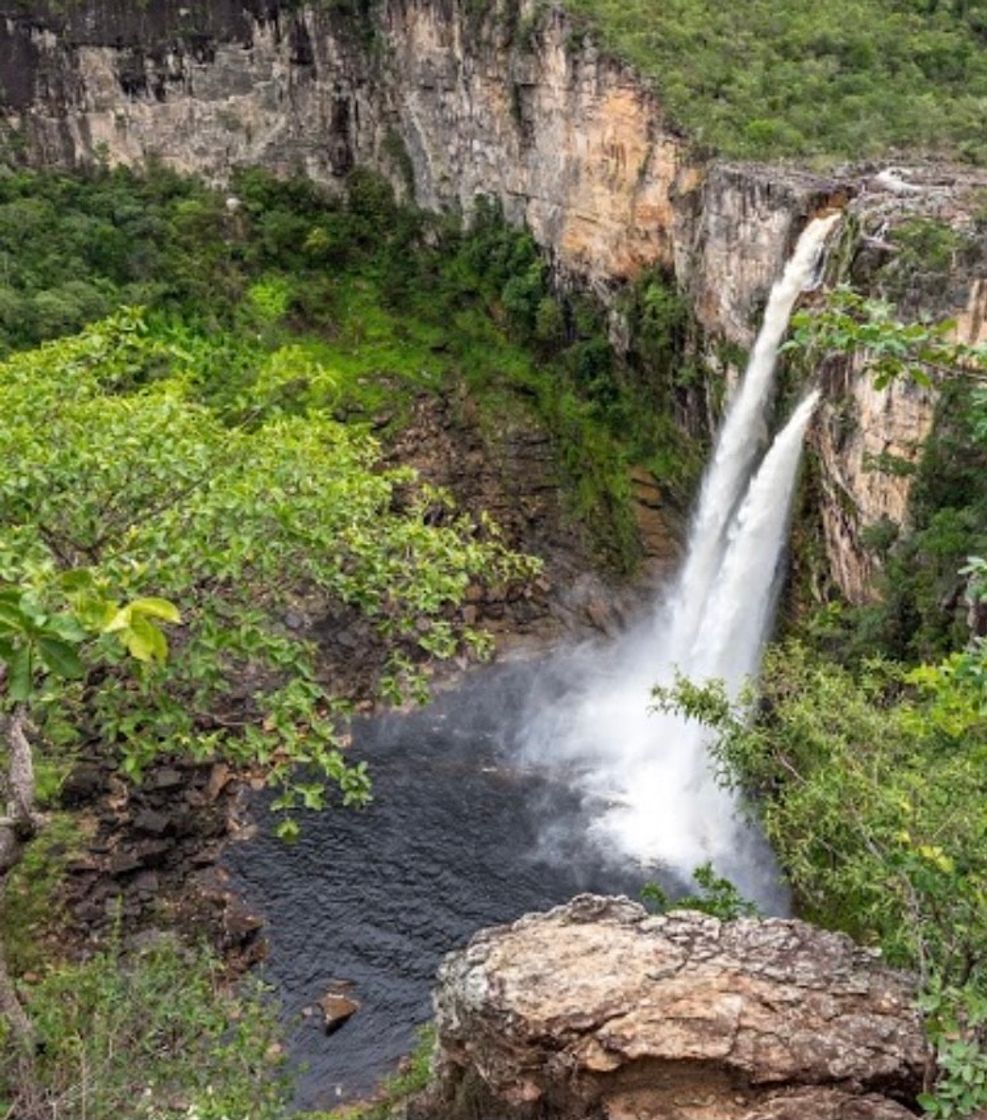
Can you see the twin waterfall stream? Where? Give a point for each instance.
(532, 782)
(659, 803)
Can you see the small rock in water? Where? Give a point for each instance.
(337, 1008)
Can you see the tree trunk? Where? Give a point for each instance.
(17, 829)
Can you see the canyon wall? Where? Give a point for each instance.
(447, 105)
(451, 99)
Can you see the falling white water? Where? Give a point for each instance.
(736, 617)
(646, 776)
(740, 439)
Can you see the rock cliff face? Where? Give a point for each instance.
(860, 426)
(449, 102)
(517, 104)
(867, 439)
(597, 1009)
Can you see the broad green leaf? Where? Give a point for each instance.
(145, 641)
(11, 617)
(120, 621)
(32, 609)
(66, 627)
(79, 579)
(156, 608)
(60, 658)
(20, 671)
(95, 613)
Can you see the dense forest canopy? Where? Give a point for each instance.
(849, 78)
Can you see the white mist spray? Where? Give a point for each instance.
(645, 776)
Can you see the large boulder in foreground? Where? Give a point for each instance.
(598, 1009)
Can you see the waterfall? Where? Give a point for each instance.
(735, 620)
(645, 776)
(742, 434)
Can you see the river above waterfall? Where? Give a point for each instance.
(454, 841)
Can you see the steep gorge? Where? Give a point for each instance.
(451, 99)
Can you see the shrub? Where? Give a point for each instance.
(157, 1035)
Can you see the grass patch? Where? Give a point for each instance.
(31, 911)
(155, 1036)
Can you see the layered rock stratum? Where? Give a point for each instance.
(598, 1009)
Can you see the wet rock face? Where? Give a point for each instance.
(599, 1009)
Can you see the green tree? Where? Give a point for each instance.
(122, 481)
(872, 789)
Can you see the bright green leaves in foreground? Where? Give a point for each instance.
(129, 505)
(35, 644)
(876, 805)
(30, 639)
(851, 323)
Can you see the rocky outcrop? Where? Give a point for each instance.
(598, 1009)
(870, 441)
(451, 99)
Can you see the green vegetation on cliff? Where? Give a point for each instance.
(770, 78)
(919, 610)
(392, 302)
(871, 785)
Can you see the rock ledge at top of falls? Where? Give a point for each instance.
(599, 1009)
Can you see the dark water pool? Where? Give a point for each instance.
(453, 842)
